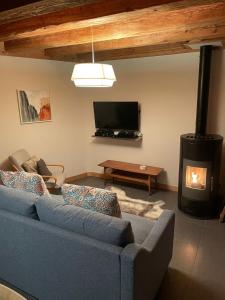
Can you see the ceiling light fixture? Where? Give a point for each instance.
(93, 74)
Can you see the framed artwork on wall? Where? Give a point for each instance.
(34, 106)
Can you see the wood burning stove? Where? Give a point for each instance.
(200, 155)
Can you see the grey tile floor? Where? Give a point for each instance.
(197, 269)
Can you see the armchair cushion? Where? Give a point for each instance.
(42, 168)
(30, 165)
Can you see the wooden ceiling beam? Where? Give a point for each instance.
(28, 53)
(100, 46)
(163, 27)
(38, 9)
(115, 54)
(134, 52)
(70, 51)
(83, 14)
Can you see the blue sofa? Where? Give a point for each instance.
(54, 251)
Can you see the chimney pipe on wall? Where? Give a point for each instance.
(203, 89)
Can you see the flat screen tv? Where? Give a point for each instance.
(116, 115)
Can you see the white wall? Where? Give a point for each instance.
(166, 88)
(58, 141)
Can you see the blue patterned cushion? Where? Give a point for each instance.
(28, 182)
(92, 198)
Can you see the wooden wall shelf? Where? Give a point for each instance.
(139, 138)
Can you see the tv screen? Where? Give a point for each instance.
(116, 115)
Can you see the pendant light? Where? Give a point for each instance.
(93, 74)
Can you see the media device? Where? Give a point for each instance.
(118, 116)
(117, 119)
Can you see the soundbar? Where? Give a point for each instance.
(128, 134)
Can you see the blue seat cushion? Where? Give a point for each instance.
(18, 201)
(101, 227)
(141, 226)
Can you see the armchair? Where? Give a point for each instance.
(56, 180)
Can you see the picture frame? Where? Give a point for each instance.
(34, 106)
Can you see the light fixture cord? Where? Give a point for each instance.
(92, 46)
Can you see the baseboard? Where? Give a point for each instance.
(161, 186)
(95, 174)
(166, 187)
(76, 177)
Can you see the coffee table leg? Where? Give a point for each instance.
(105, 176)
(149, 185)
(156, 182)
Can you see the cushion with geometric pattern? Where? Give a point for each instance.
(95, 199)
(30, 165)
(28, 182)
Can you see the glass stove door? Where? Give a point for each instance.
(196, 177)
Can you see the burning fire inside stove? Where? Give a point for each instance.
(196, 178)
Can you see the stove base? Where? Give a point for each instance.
(202, 210)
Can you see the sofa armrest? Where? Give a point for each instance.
(143, 266)
(162, 233)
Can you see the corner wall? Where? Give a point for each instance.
(58, 141)
(166, 88)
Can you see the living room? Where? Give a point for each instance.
(166, 88)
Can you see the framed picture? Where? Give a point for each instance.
(34, 106)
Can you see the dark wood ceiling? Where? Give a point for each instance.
(61, 29)
(6, 5)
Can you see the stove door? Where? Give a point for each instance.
(197, 180)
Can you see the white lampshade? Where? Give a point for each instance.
(93, 75)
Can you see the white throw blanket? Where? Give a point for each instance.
(139, 207)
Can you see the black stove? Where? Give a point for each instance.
(200, 155)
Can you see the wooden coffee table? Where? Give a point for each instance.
(130, 172)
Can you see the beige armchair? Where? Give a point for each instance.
(56, 180)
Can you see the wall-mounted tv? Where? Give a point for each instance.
(116, 115)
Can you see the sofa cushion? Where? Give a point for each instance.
(28, 182)
(141, 226)
(101, 227)
(17, 201)
(95, 199)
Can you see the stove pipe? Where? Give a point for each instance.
(203, 89)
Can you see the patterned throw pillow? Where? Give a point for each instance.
(24, 181)
(95, 199)
(30, 165)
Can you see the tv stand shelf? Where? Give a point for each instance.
(118, 134)
(139, 138)
(130, 172)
